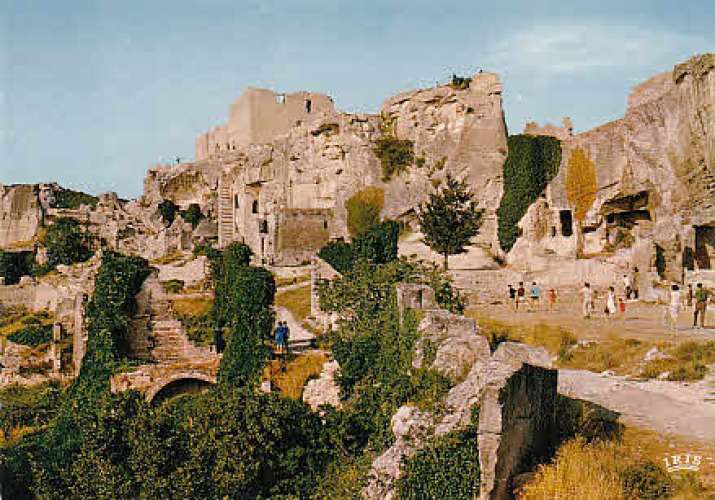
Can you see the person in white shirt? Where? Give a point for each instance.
(611, 302)
(672, 310)
(586, 300)
(627, 285)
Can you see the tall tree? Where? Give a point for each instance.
(450, 219)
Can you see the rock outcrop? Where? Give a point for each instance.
(655, 183)
(514, 389)
(324, 390)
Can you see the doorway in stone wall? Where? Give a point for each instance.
(705, 246)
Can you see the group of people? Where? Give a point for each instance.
(612, 304)
(696, 299)
(281, 336)
(518, 297)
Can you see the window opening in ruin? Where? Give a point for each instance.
(254, 207)
(325, 224)
(235, 201)
(308, 105)
(704, 246)
(419, 298)
(264, 226)
(553, 231)
(263, 246)
(689, 259)
(566, 219)
(660, 261)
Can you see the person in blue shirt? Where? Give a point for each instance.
(535, 295)
(280, 337)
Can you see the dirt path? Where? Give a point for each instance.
(669, 408)
(297, 332)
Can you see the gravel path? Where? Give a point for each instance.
(673, 408)
(297, 332)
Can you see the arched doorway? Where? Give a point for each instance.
(180, 387)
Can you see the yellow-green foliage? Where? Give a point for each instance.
(687, 361)
(580, 183)
(363, 210)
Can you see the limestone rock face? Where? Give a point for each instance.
(324, 390)
(655, 178)
(20, 214)
(282, 190)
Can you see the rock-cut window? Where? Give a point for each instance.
(254, 207)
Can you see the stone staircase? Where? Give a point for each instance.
(225, 214)
(170, 342)
(299, 346)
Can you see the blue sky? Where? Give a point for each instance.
(92, 93)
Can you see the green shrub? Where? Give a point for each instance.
(378, 244)
(646, 480)
(395, 155)
(172, 286)
(447, 467)
(23, 406)
(460, 82)
(363, 210)
(192, 215)
(168, 211)
(242, 309)
(66, 243)
(199, 328)
(338, 254)
(32, 335)
(14, 265)
(532, 162)
(69, 199)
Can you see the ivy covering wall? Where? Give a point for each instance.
(532, 162)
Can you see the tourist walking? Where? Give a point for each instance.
(535, 295)
(672, 311)
(520, 294)
(622, 306)
(611, 302)
(279, 337)
(701, 305)
(627, 285)
(634, 283)
(286, 336)
(586, 300)
(552, 299)
(512, 297)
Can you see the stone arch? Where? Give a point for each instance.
(166, 381)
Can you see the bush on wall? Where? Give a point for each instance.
(363, 210)
(66, 243)
(532, 162)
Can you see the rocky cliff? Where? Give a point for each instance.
(655, 181)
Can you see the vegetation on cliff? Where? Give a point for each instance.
(66, 243)
(69, 199)
(15, 265)
(378, 245)
(450, 219)
(532, 162)
(363, 210)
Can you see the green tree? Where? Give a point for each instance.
(168, 210)
(450, 219)
(66, 243)
(192, 215)
(378, 244)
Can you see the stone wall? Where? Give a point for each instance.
(301, 234)
(20, 214)
(259, 116)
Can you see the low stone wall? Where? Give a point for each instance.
(517, 423)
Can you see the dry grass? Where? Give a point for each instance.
(578, 471)
(293, 280)
(192, 306)
(297, 301)
(596, 470)
(169, 258)
(687, 361)
(623, 356)
(296, 374)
